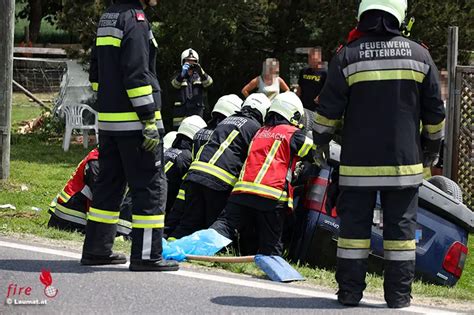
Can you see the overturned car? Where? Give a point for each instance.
(443, 225)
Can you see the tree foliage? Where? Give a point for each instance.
(233, 37)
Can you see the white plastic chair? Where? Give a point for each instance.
(75, 120)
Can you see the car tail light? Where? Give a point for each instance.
(455, 259)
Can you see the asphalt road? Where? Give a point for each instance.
(113, 289)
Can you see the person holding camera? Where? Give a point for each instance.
(191, 82)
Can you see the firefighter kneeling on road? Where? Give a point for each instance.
(178, 157)
(382, 85)
(69, 209)
(214, 172)
(263, 192)
(190, 83)
(123, 70)
(226, 106)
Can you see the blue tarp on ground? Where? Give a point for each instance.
(201, 243)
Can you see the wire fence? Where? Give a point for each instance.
(39, 75)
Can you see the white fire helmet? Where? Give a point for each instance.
(190, 125)
(289, 106)
(228, 105)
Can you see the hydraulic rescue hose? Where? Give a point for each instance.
(219, 259)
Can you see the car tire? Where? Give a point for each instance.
(448, 186)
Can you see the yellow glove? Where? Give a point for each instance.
(152, 137)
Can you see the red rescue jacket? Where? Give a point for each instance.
(269, 166)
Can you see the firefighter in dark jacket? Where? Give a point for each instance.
(190, 83)
(263, 192)
(69, 208)
(129, 101)
(178, 157)
(217, 165)
(226, 106)
(382, 85)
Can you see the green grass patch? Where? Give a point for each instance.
(40, 168)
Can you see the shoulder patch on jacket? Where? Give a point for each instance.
(140, 16)
(339, 48)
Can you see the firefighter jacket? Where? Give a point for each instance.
(177, 161)
(268, 169)
(382, 87)
(219, 161)
(191, 89)
(123, 70)
(73, 202)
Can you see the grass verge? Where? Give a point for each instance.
(39, 169)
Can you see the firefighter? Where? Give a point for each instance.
(178, 157)
(226, 106)
(214, 171)
(69, 208)
(129, 101)
(382, 85)
(263, 192)
(190, 83)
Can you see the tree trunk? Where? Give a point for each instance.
(36, 15)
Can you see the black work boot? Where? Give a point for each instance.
(154, 265)
(95, 260)
(348, 298)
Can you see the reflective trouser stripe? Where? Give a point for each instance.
(147, 242)
(215, 171)
(103, 216)
(268, 161)
(124, 227)
(353, 243)
(382, 75)
(308, 144)
(148, 221)
(168, 165)
(181, 194)
(399, 245)
(224, 145)
(352, 253)
(400, 255)
(69, 214)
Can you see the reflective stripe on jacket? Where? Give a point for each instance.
(379, 89)
(123, 70)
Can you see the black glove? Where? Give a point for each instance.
(430, 159)
(320, 155)
(199, 70)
